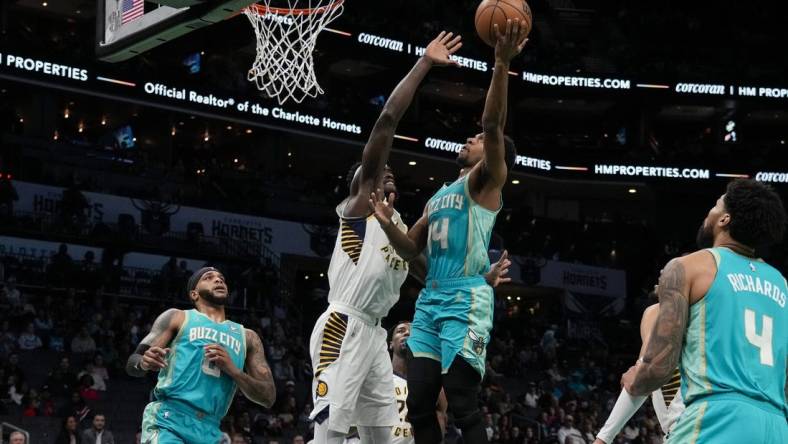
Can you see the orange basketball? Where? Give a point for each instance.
(492, 12)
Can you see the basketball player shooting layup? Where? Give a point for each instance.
(200, 356)
(666, 400)
(365, 275)
(722, 315)
(454, 312)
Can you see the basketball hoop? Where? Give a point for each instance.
(286, 36)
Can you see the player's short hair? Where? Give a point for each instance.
(757, 213)
(510, 154)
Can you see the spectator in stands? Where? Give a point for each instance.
(298, 439)
(568, 434)
(68, 433)
(76, 407)
(532, 395)
(12, 368)
(86, 389)
(17, 438)
(57, 341)
(46, 405)
(7, 339)
(83, 343)
(11, 294)
(17, 389)
(31, 404)
(29, 340)
(62, 379)
(238, 438)
(60, 266)
(98, 371)
(73, 205)
(97, 434)
(44, 324)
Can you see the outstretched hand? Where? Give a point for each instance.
(510, 41)
(440, 49)
(382, 209)
(499, 270)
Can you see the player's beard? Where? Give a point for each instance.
(209, 297)
(402, 351)
(705, 237)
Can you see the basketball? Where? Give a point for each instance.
(491, 12)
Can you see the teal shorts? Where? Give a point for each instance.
(453, 317)
(168, 422)
(730, 419)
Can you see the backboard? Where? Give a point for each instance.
(126, 28)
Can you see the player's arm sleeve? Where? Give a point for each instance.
(161, 333)
(625, 407)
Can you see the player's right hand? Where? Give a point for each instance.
(153, 359)
(510, 41)
(439, 50)
(382, 208)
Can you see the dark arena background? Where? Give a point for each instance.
(122, 171)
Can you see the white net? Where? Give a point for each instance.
(286, 36)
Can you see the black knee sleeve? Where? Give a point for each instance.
(462, 384)
(424, 385)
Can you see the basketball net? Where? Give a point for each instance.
(286, 36)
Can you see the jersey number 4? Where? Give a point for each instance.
(762, 341)
(439, 232)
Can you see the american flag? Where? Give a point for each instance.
(132, 9)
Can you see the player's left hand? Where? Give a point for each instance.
(382, 208)
(628, 378)
(216, 354)
(440, 49)
(510, 41)
(499, 270)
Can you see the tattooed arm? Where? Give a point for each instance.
(667, 336)
(151, 354)
(257, 383)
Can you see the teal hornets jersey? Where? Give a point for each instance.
(737, 336)
(191, 379)
(458, 234)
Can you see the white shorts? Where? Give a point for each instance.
(351, 371)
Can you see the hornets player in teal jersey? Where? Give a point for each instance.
(200, 357)
(722, 320)
(454, 313)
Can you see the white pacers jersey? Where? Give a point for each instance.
(365, 272)
(403, 432)
(668, 404)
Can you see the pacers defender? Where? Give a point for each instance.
(403, 432)
(201, 357)
(351, 369)
(722, 314)
(666, 400)
(454, 312)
